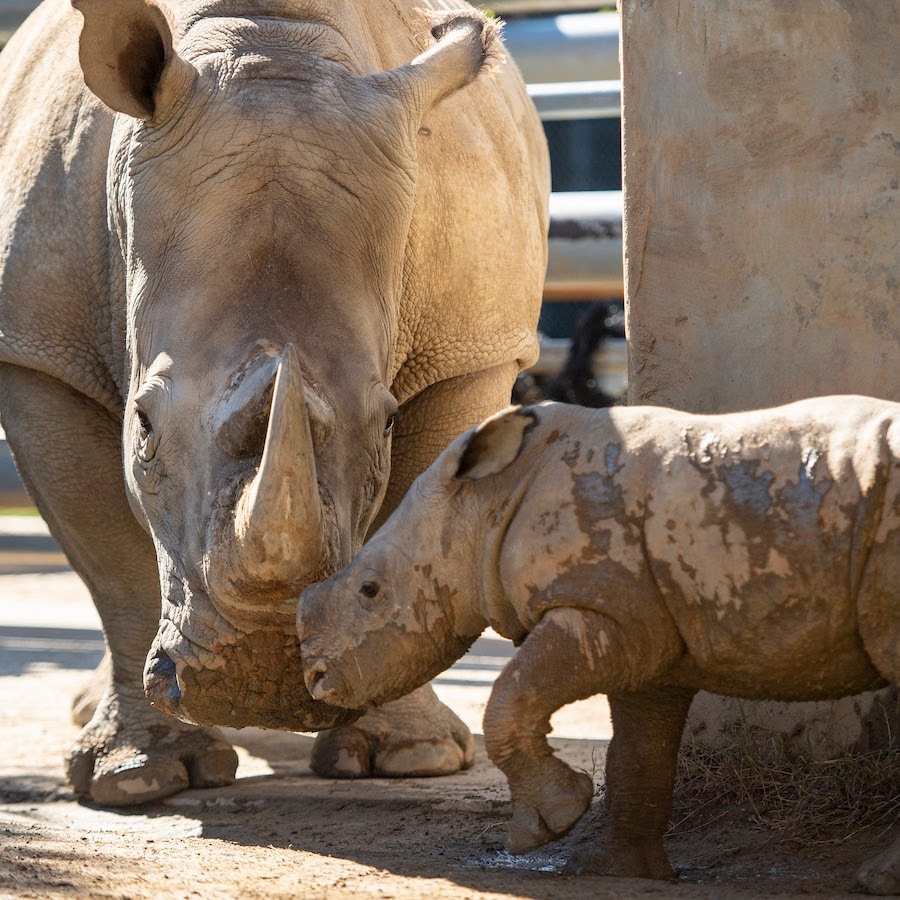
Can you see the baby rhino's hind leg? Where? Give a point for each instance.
(640, 777)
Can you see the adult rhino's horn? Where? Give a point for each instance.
(467, 43)
(274, 541)
(278, 520)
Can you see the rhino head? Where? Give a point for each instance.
(415, 597)
(260, 194)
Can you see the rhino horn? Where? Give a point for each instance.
(274, 542)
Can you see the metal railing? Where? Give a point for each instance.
(610, 362)
(585, 258)
(577, 100)
(571, 65)
(572, 47)
(539, 7)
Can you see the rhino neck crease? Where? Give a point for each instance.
(494, 600)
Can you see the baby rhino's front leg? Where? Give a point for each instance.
(556, 665)
(570, 655)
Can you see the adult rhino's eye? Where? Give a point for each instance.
(144, 424)
(147, 439)
(369, 589)
(389, 425)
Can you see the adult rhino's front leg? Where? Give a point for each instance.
(416, 735)
(68, 451)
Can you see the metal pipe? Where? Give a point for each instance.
(574, 47)
(585, 252)
(577, 100)
(610, 362)
(539, 7)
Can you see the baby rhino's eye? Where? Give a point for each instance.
(369, 589)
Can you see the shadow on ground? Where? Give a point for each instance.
(409, 832)
(24, 649)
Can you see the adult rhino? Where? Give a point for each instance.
(272, 256)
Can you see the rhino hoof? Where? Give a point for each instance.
(413, 737)
(881, 875)
(131, 754)
(633, 860)
(548, 810)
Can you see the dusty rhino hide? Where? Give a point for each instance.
(641, 553)
(259, 263)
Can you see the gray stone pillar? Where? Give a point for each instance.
(762, 229)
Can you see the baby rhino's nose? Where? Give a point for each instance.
(313, 673)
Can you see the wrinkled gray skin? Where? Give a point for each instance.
(270, 256)
(641, 553)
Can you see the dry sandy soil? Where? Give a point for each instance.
(281, 832)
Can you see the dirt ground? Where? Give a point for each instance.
(279, 831)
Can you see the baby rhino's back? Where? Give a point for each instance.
(748, 533)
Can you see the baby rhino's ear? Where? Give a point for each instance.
(494, 444)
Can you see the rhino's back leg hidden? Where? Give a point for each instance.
(878, 601)
(879, 626)
(128, 752)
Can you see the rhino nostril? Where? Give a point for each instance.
(315, 672)
(161, 682)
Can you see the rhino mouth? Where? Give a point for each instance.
(253, 678)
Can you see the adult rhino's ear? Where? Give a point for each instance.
(126, 54)
(494, 444)
(467, 43)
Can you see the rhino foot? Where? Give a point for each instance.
(416, 736)
(88, 698)
(631, 860)
(881, 874)
(546, 808)
(130, 753)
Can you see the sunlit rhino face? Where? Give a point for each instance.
(387, 623)
(263, 210)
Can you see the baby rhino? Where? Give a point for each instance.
(638, 552)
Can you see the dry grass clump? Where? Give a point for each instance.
(797, 798)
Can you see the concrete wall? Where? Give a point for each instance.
(762, 158)
(762, 230)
